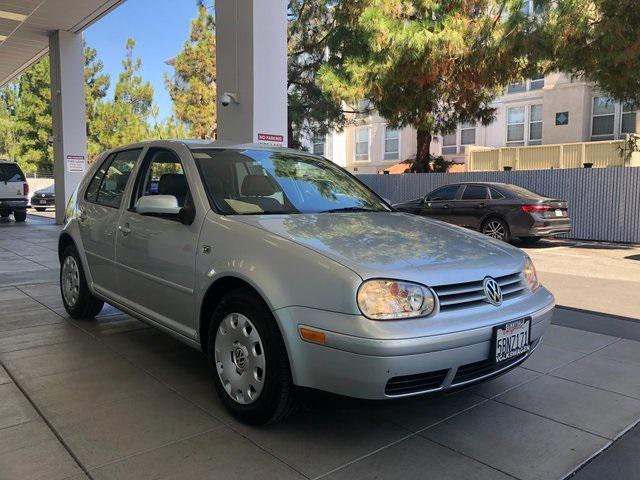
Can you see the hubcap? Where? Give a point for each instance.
(70, 281)
(495, 229)
(239, 358)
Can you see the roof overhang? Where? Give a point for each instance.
(25, 26)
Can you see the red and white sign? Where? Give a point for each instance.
(271, 139)
(75, 163)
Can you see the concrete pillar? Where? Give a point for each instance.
(68, 112)
(251, 78)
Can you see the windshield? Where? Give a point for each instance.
(10, 172)
(256, 182)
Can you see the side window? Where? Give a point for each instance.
(475, 192)
(443, 194)
(161, 174)
(495, 194)
(92, 190)
(116, 177)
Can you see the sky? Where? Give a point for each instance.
(159, 27)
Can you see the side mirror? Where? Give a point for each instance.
(158, 205)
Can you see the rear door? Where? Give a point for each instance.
(472, 206)
(99, 215)
(439, 203)
(156, 255)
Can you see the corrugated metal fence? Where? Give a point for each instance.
(604, 203)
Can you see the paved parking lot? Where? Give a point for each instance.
(114, 399)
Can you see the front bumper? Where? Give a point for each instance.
(363, 366)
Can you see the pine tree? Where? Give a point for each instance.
(96, 84)
(193, 88)
(599, 40)
(429, 64)
(125, 119)
(311, 111)
(32, 119)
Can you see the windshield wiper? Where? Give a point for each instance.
(350, 209)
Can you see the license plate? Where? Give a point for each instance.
(43, 202)
(559, 213)
(512, 339)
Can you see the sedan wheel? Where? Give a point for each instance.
(239, 358)
(78, 300)
(496, 228)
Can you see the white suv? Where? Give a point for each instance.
(14, 191)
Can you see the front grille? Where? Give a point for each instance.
(420, 382)
(470, 294)
(471, 371)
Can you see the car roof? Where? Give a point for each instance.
(488, 184)
(195, 144)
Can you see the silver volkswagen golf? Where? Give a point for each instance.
(287, 271)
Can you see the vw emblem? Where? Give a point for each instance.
(492, 291)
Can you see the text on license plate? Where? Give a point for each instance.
(512, 340)
(43, 202)
(558, 213)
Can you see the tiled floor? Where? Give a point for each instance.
(115, 399)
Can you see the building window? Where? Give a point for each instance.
(362, 144)
(467, 135)
(604, 119)
(535, 125)
(318, 145)
(391, 144)
(449, 144)
(628, 121)
(515, 126)
(536, 83)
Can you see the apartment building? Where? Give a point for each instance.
(555, 109)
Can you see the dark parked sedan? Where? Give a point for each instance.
(43, 198)
(499, 210)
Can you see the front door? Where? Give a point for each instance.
(156, 255)
(99, 214)
(440, 203)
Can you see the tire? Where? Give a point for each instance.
(244, 346)
(40, 209)
(78, 300)
(20, 215)
(530, 240)
(497, 228)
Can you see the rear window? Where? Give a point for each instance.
(10, 172)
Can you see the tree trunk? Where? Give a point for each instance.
(291, 142)
(423, 155)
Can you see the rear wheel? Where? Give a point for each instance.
(248, 360)
(496, 228)
(78, 300)
(20, 215)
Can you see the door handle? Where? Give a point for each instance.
(480, 205)
(446, 205)
(124, 229)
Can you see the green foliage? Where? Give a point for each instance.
(428, 64)
(599, 40)
(125, 119)
(31, 112)
(311, 111)
(192, 87)
(96, 85)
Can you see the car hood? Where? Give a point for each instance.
(396, 245)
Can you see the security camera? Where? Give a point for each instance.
(228, 98)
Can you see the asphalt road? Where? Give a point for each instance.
(599, 277)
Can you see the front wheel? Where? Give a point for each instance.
(248, 360)
(496, 228)
(78, 300)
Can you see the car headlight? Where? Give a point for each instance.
(394, 300)
(530, 275)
